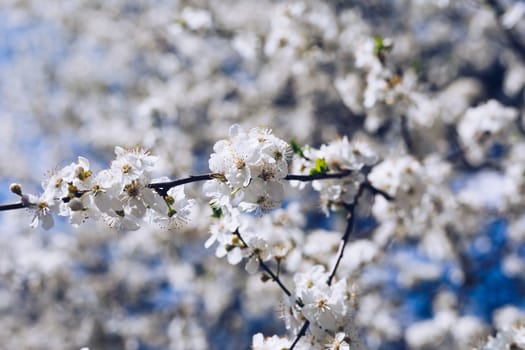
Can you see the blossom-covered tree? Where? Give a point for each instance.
(265, 174)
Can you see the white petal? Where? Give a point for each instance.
(47, 222)
(252, 265)
(235, 256)
(210, 241)
(235, 130)
(102, 201)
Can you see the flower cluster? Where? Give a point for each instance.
(379, 85)
(273, 236)
(120, 195)
(423, 207)
(249, 168)
(448, 124)
(330, 310)
(484, 126)
(402, 178)
(342, 157)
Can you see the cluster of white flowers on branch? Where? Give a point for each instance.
(121, 196)
(247, 175)
(251, 166)
(422, 193)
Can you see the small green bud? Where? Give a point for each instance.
(381, 47)
(321, 167)
(216, 212)
(378, 44)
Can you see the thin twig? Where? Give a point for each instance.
(302, 332)
(344, 240)
(163, 187)
(342, 244)
(12, 206)
(340, 250)
(318, 176)
(265, 267)
(275, 278)
(367, 185)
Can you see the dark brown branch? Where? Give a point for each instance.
(302, 332)
(339, 175)
(344, 240)
(342, 245)
(368, 186)
(275, 278)
(265, 267)
(12, 206)
(163, 187)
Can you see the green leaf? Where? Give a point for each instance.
(321, 167)
(381, 47)
(379, 44)
(216, 211)
(297, 149)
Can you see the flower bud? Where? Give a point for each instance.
(16, 189)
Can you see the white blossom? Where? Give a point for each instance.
(481, 126)
(257, 251)
(328, 308)
(172, 211)
(252, 165)
(43, 208)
